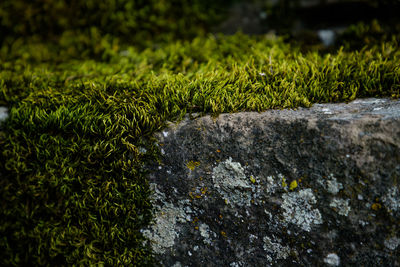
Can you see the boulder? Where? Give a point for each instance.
(314, 186)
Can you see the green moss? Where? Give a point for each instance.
(368, 34)
(73, 190)
(136, 21)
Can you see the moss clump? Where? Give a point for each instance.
(138, 21)
(364, 34)
(72, 186)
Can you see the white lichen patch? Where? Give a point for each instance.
(163, 231)
(275, 250)
(332, 259)
(392, 243)
(271, 185)
(205, 233)
(341, 206)
(231, 182)
(298, 209)
(229, 174)
(331, 185)
(392, 199)
(327, 111)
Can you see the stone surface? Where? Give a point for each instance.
(314, 187)
(3, 114)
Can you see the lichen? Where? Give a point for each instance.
(392, 199)
(205, 233)
(283, 180)
(298, 209)
(191, 165)
(177, 264)
(293, 185)
(163, 232)
(275, 250)
(252, 238)
(231, 182)
(392, 243)
(332, 259)
(271, 185)
(341, 206)
(331, 184)
(376, 206)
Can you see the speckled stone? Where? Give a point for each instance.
(311, 187)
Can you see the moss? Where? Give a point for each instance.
(140, 22)
(73, 190)
(366, 34)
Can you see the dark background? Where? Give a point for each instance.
(149, 23)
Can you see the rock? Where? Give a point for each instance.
(314, 187)
(327, 36)
(3, 114)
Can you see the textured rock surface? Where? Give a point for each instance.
(3, 114)
(316, 187)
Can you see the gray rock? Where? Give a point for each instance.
(327, 36)
(3, 114)
(314, 187)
